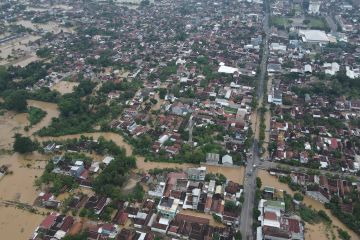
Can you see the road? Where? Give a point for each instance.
(246, 219)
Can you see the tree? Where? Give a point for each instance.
(298, 196)
(138, 192)
(81, 236)
(16, 101)
(43, 52)
(144, 3)
(258, 182)
(344, 235)
(238, 235)
(216, 236)
(23, 144)
(216, 218)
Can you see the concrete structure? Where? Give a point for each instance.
(227, 160)
(314, 7)
(314, 36)
(197, 174)
(168, 207)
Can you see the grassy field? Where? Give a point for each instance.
(317, 23)
(278, 21)
(35, 115)
(230, 110)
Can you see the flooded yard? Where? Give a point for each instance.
(18, 51)
(235, 174)
(315, 231)
(52, 27)
(64, 87)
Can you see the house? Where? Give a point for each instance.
(180, 109)
(160, 225)
(50, 148)
(277, 97)
(168, 207)
(121, 218)
(107, 160)
(95, 167)
(212, 158)
(227, 160)
(304, 158)
(76, 171)
(57, 159)
(109, 230)
(48, 200)
(196, 174)
(97, 203)
(355, 105)
(49, 221)
(314, 7)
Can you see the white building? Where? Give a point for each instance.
(314, 36)
(314, 7)
(227, 160)
(331, 68)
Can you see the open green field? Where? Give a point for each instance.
(317, 23)
(278, 21)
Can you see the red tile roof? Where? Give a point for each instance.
(48, 221)
(270, 216)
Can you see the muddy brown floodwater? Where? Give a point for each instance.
(19, 186)
(235, 174)
(11, 122)
(313, 231)
(17, 224)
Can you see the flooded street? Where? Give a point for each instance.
(317, 231)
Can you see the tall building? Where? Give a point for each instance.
(314, 7)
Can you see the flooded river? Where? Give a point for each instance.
(11, 122)
(316, 231)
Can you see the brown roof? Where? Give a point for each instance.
(191, 219)
(270, 216)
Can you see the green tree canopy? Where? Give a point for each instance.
(16, 101)
(23, 144)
